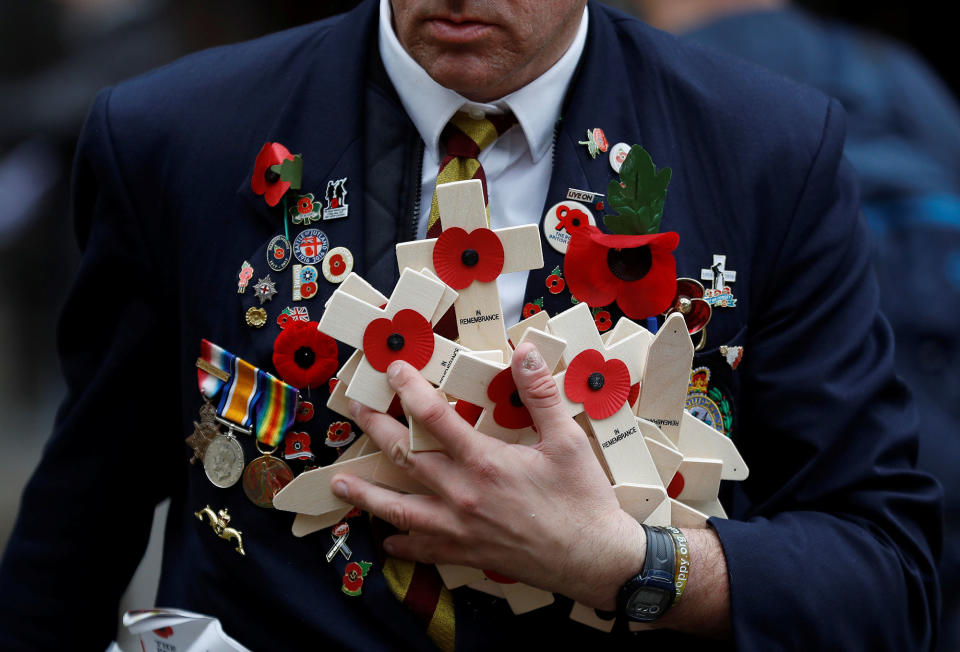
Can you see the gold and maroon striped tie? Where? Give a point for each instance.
(419, 586)
(464, 138)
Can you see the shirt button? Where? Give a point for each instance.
(476, 114)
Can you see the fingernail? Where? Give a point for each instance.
(394, 369)
(354, 408)
(533, 360)
(340, 489)
(388, 546)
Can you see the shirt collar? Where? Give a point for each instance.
(430, 105)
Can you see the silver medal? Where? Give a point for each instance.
(223, 461)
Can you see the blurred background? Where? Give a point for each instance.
(891, 65)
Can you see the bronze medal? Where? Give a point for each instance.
(264, 477)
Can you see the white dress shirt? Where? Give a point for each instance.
(517, 166)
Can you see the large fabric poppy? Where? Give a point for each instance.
(408, 336)
(637, 271)
(460, 258)
(601, 385)
(265, 181)
(303, 356)
(508, 410)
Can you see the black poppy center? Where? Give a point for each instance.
(515, 399)
(304, 357)
(470, 257)
(395, 342)
(595, 381)
(575, 221)
(271, 176)
(629, 264)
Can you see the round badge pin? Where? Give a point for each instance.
(618, 154)
(279, 253)
(337, 264)
(562, 219)
(310, 246)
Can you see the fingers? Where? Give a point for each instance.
(393, 438)
(539, 393)
(429, 549)
(405, 512)
(421, 400)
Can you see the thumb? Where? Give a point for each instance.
(539, 392)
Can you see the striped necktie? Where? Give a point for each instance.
(419, 586)
(464, 138)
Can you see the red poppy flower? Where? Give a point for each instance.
(571, 219)
(339, 433)
(601, 385)
(353, 576)
(460, 258)
(282, 320)
(555, 284)
(689, 302)
(305, 204)
(637, 271)
(603, 320)
(304, 411)
(468, 411)
(408, 336)
(337, 265)
(303, 356)
(508, 410)
(532, 308)
(265, 181)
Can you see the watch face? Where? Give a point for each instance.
(647, 603)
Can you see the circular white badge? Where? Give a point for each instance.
(563, 218)
(618, 154)
(337, 264)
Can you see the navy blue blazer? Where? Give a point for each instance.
(830, 542)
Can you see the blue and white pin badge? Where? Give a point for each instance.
(719, 295)
(336, 196)
(310, 246)
(279, 253)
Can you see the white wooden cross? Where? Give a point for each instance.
(470, 377)
(479, 313)
(717, 273)
(619, 435)
(347, 318)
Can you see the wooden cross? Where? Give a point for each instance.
(470, 378)
(717, 273)
(479, 313)
(619, 435)
(347, 319)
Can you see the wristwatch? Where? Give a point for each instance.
(650, 594)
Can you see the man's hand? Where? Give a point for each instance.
(545, 515)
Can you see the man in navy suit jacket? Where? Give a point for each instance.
(831, 542)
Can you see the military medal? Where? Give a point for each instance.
(223, 460)
(279, 252)
(265, 476)
(203, 432)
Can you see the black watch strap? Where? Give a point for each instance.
(650, 594)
